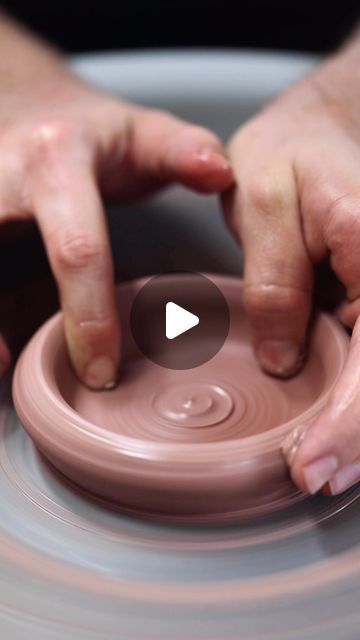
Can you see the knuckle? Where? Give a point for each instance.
(263, 299)
(100, 326)
(97, 330)
(77, 252)
(343, 223)
(266, 194)
(51, 138)
(52, 142)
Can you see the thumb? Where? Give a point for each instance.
(328, 451)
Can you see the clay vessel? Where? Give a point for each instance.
(197, 445)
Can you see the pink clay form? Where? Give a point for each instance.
(198, 445)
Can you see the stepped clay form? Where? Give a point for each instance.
(197, 445)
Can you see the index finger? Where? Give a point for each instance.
(70, 215)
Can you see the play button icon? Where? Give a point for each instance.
(179, 320)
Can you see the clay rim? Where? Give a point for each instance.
(91, 436)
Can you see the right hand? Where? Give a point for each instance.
(296, 203)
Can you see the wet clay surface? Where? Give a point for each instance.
(200, 445)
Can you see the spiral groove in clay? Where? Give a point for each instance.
(193, 405)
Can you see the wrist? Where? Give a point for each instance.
(26, 62)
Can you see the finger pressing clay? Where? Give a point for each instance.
(191, 445)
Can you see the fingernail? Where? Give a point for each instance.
(292, 442)
(101, 373)
(345, 478)
(280, 357)
(320, 472)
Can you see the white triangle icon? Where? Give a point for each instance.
(178, 320)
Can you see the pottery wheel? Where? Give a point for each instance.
(72, 569)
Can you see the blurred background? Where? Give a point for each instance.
(306, 25)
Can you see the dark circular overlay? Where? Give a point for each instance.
(196, 294)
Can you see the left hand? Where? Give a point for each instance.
(62, 146)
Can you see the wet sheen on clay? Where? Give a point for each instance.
(197, 445)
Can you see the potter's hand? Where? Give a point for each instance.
(63, 143)
(297, 200)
